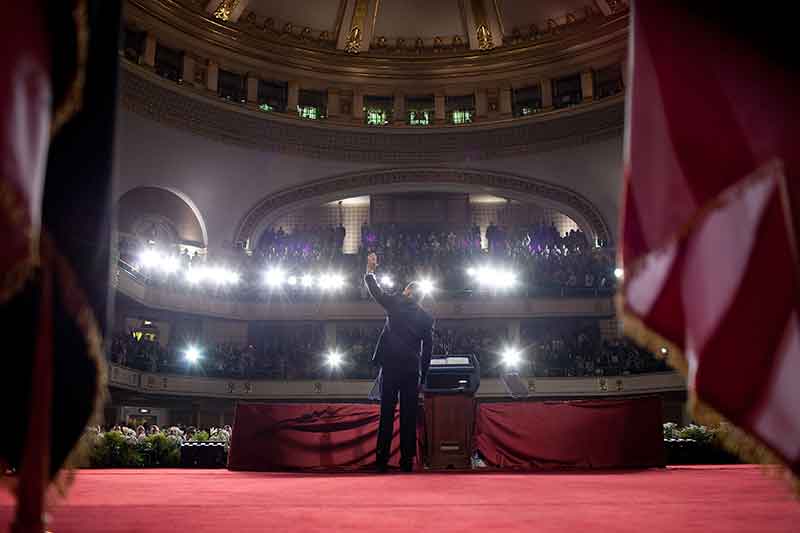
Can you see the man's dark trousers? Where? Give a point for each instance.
(404, 385)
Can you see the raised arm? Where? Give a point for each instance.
(372, 284)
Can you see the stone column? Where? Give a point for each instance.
(358, 105)
(334, 103)
(587, 85)
(481, 103)
(547, 94)
(212, 77)
(439, 113)
(188, 69)
(149, 55)
(398, 108)
(252, 89)
(504, 102)
(293, 97)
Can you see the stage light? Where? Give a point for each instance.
(331, 282)
(386, 280)
(292, 280)
(493, 277)
(426, 286)
(307, 281)
(192, 354)
(149, 258)
(196, 275)
(144, 411)
(222, 276)
(504, 279)
(274, 277)
(511, 357)
(618, 273)
(334, 359)
(230, 277)
(169, 265)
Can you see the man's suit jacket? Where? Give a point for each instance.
(406, 341)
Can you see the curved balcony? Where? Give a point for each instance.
(558, 302)
(176, 385)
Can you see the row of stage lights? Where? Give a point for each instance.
(277, 278)
(511, 357)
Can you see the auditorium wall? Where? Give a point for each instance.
(225, 180)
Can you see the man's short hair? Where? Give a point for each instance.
(415, 290)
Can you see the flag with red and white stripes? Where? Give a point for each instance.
(708, 228)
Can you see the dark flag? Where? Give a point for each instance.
(708, 232)
(58, 90)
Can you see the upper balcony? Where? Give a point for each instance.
(569, 62)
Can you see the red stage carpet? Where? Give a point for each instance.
(707, 499)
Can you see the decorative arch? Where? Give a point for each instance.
(167, 210)
(515, 187)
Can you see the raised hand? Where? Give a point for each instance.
(372, 262)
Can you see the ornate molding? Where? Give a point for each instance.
(253, 40)
(275, 204)
(146, 94)
(357, 27)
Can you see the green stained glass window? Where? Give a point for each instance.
(462, 116)
(309, 112)
(419, 118)
(376, 117)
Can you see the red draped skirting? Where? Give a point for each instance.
(624, 433)
(308, 436)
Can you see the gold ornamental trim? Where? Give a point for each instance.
(16, 218)
(356, 33)
(225, 9)
(485, 39)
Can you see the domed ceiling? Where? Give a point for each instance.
(374, 25)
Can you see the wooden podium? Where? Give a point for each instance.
(448, 430)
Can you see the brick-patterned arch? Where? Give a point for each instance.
(270, 208)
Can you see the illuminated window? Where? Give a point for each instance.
(309, 112)
(460, 109)
(462, 116)
(378, 110)
(420, 110)
(311, 104)
(376, 117)
(419, 118)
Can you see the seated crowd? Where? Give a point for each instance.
(549, 348)
(542, 260)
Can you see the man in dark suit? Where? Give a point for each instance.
(403, 353)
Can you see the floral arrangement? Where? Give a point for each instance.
(693, 432)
